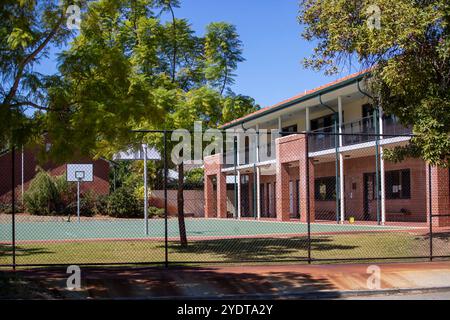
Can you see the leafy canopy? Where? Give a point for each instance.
(409, 54)
(135, 65)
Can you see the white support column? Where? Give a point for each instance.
(258, 192)
(238, 146)
(239, 194)
(258, 177)
(280, 125)
(308, 121)
(341, 187)
(341, 120)
(341, 163)
(382, 174)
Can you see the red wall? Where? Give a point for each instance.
(100, 185)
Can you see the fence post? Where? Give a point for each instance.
(430, 211)
(13, 205)
(166, 240)
(308, 205)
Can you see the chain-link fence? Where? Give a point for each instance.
(258, 196)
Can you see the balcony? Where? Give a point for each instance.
(248, 156)
(322, 139)
(360, 131)
(357, 132)
(391, 126)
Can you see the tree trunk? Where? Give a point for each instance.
(180, 205)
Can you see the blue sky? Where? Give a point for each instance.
(273, 47)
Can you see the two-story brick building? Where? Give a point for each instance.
(347, 173)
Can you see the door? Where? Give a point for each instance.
(245, 196)
(262, 200)
(369, 194)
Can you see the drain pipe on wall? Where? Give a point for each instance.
(336, 146)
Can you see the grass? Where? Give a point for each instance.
(367, 245)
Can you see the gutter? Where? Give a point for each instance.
(298, 100)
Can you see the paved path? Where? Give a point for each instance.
(287, 281)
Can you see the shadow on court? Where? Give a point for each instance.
(265, 249)
(6, 251)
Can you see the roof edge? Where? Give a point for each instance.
(299, 98)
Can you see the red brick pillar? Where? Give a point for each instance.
(303, 191)
(221, 196)
(440, 196)
(292, 150)
(282, 192)
(213, 168)
(209, 197)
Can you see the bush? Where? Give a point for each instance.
(87, 205)
(154, 212)
(123, 203)
(101, 205)
(48, 195)
(42, 197)
(7, 208)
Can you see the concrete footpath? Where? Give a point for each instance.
(250, 282)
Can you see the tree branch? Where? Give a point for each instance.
(28, 59)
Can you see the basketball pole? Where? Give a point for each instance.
(78, 200)
(144, 147)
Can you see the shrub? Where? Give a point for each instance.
(101, 205)
(87, 205)
(42, 197)
(122, 203)
(48, 195)
(154, 212)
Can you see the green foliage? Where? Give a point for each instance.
(410, 56)
(142, 69)
(42, 197)
(27, 31)
(53, 195)
(154, 212)
(122, 203)
(194, 178)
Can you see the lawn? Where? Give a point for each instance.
(362, 245)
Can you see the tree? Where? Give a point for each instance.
(28, 28)
(409, 53)
(129, 68)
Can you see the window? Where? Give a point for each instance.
(325, 189)
(323, 123)
(398, 184)
(289, 130)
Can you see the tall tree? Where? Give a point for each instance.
(28, 29)
(407, 44)
(133, 67)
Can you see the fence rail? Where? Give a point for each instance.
(300, 206)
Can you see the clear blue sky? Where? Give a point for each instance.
(273, 47)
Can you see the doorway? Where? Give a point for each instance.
(369, 194)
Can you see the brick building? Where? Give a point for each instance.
(26, 165)
(265, 175)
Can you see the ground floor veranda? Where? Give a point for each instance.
(355, 185)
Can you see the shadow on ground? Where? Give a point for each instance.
(186, 283)
(263, 249)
